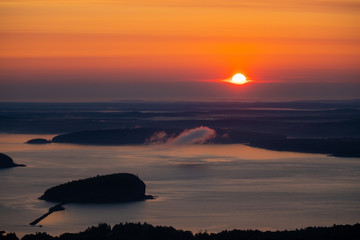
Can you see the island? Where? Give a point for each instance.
(7, 162)
(113, 188)
(38, 141)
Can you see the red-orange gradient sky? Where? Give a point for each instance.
(132, 44)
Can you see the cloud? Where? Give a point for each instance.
(193, 136)
(157, 138)
(189, 136)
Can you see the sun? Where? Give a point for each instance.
(238, 79)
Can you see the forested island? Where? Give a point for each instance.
(138, 231)
(119, 187)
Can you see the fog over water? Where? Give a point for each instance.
(198, 187)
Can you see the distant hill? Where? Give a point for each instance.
(119, 187)
(7, 162)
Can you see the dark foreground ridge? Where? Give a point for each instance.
(7, 162)
(138, 231)
(119, 187)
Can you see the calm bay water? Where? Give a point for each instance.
(198, 187)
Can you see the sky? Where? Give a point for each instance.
(84, 50)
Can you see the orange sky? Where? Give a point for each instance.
(181, 40)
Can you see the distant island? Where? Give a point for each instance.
(339, 147)
(125, 136)
(7, 162)
(38, 141)
(137, 136)
(144, 231)
(119, 187)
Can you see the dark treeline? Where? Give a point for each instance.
(138, 231)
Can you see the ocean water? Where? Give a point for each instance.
(197, 187)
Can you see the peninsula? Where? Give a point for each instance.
(7, 162)
(56, 208)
